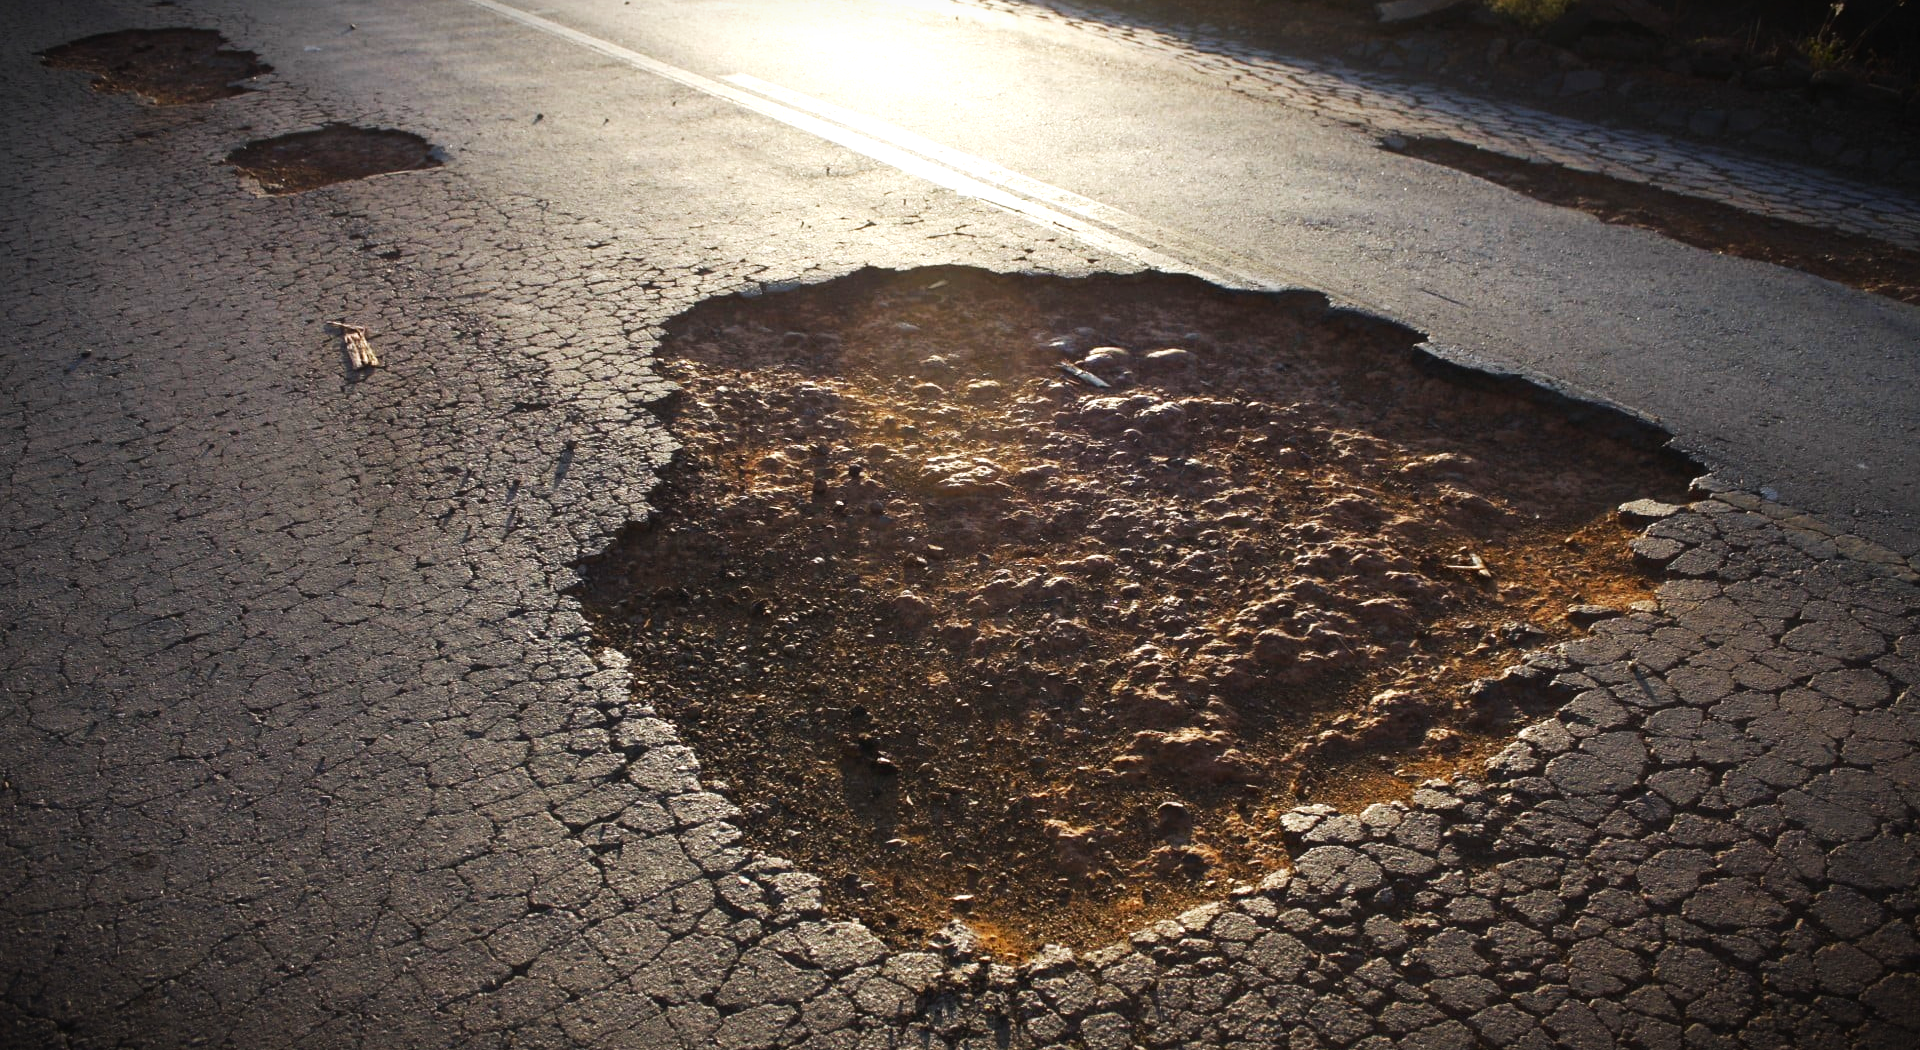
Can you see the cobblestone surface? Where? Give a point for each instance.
(302, 745)
(1387, 105)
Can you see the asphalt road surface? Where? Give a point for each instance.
(301, 743)
(1783, 381)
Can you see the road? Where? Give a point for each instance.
(1779, 380)
(302, 743)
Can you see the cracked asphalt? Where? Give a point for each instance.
(301, 743)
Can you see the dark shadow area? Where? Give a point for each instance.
(1711, 39)
(1785, 78)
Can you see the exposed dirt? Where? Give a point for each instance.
(168, 67)
(1860, 262)
(307, 160)
(967, 635)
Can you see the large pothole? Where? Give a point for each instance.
(308, 160)
(966, 633)
(165, 66)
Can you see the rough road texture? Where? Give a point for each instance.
(300, 744)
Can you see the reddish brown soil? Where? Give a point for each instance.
(167, 67)
(307, 160)
(1860, 262)
(965, 635)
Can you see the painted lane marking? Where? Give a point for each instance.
(1100, 226)
(1198, 255)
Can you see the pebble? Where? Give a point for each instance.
(1588, 614)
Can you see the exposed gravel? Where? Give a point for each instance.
(963, 580)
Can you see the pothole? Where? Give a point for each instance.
(967, 635)
(307, 160)
(168, 67)
(1865, 263)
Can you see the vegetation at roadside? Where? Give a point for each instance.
(1879, 35)
(1835, 46)
(1534, 14)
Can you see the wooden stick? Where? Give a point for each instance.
(360, 353)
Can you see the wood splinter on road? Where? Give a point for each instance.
(360, 353)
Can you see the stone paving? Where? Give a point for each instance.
(301, 743)
(1387, 105)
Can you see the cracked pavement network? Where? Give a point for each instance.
(302, 745)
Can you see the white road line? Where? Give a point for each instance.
(1108, 229)
(1203, 259)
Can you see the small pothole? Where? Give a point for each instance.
(307, 160)
(168, 67)
(964, 634)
